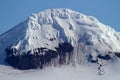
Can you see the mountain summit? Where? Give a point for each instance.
(59, 37)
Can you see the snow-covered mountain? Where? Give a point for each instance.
(58, 37)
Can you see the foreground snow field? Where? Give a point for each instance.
(62, 73)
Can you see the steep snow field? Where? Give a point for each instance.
(112, 72)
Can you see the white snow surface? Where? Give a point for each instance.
(62, 25)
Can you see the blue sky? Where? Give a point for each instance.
(13, 12)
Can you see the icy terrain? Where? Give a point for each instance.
(64, 43)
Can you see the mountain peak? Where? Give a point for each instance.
(62, 35)
(62, 13)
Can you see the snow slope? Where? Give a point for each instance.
(92, 40)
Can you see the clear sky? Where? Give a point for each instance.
(13, 12)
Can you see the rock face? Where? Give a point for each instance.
(62, 55)
(58, 37)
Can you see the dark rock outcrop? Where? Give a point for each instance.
(104, 57)
(117, 54)
(41, 56)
